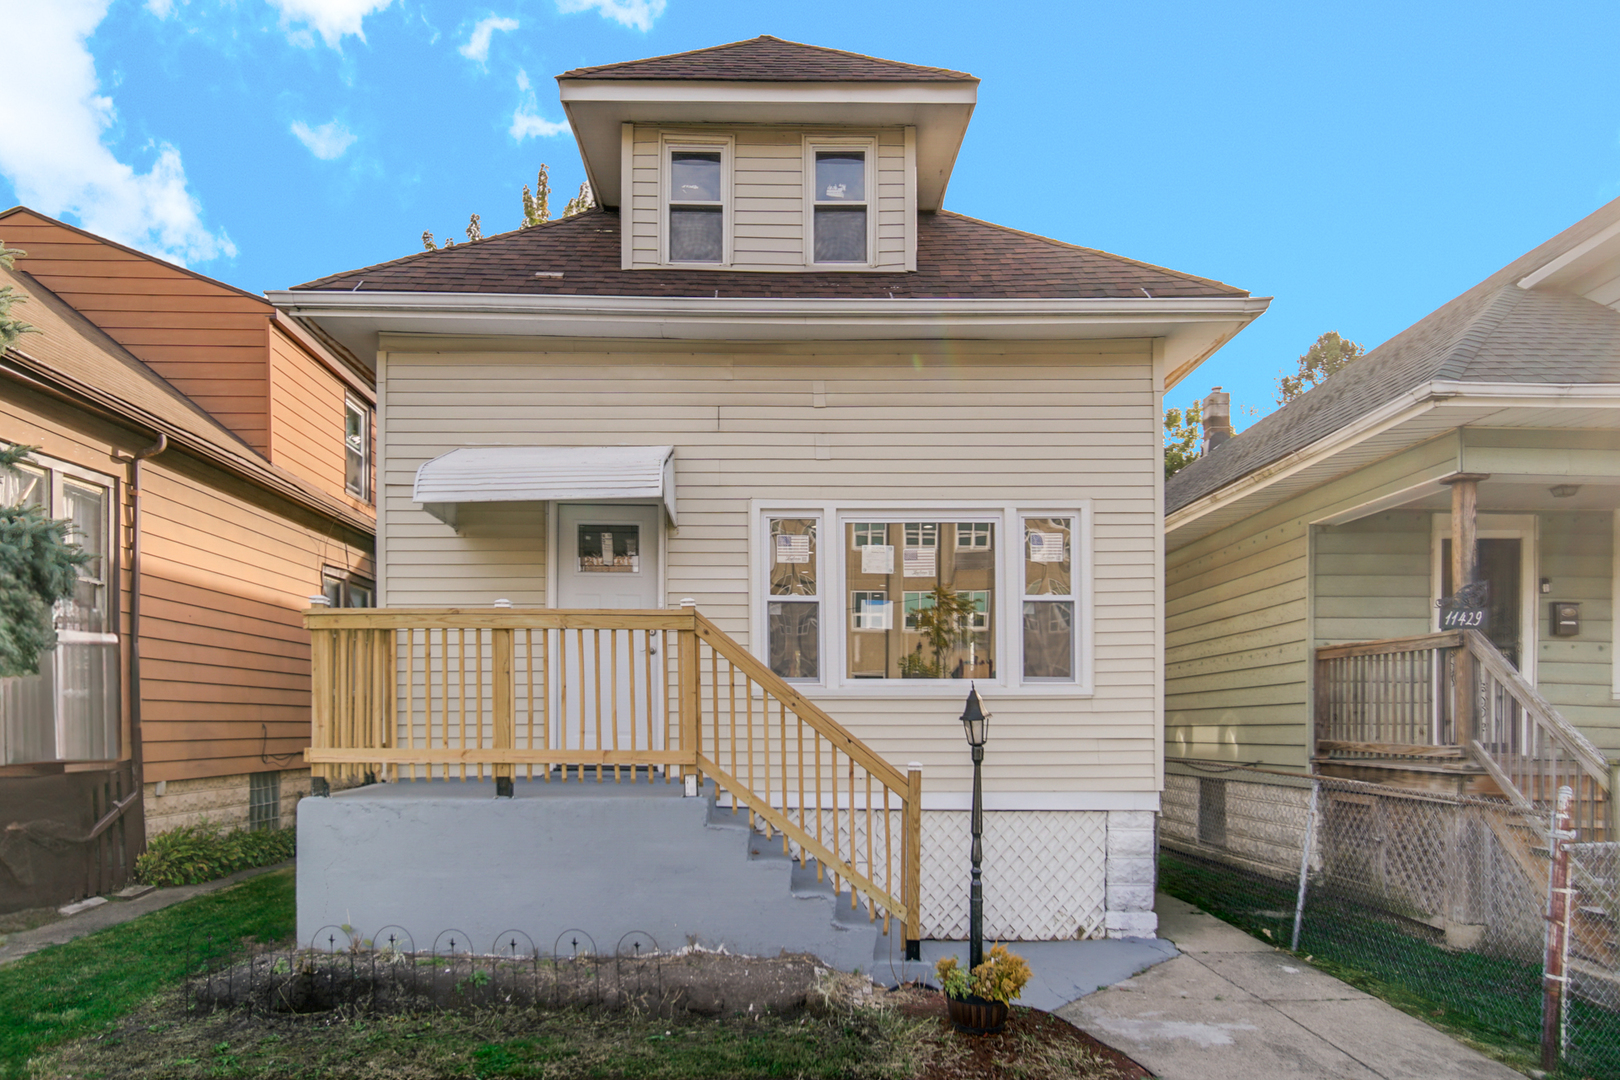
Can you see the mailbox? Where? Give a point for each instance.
(1565, 619)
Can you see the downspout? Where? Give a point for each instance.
(134, 460)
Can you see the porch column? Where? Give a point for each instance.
(1464, 560)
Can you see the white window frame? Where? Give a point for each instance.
(831, 519)
(368, 415)
(813, 143)
(671, 143)
(55, 505)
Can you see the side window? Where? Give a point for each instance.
(345, 590)
(697, 205)
(356, 448)
(1050, 595)
(840, 212)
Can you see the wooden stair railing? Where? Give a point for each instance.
(1530, 750)
(793, 784)
(436, 693)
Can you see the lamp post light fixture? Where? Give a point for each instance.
(975, 724)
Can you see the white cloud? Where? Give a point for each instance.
(161, 8)
(332, 19)
(636, 14)
(51, 147)
(477, 47)
(327, 141)
(525, 123)
(526, 118)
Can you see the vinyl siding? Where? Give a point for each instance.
(768, 208)
(1238, 618)
(1045, 426)
(1374, 578)
(1576, 674)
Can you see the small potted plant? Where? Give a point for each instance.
(978, 1003)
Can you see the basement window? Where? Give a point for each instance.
(264, 800)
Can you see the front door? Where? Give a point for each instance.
(1501, 566)
(607, 695)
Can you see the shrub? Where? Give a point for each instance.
(199, 853)
(999, 977)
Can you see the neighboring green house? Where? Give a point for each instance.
(1341, 518)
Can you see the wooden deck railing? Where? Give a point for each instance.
(415, 693)
(1399, 698)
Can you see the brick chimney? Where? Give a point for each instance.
(1217, 419)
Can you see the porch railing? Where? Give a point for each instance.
(1399, 698)
(418, 693)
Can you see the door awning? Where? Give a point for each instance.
(484, 474)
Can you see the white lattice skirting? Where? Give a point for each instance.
(1045, 874)
(1049, 875)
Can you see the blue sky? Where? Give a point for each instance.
(1361, 163)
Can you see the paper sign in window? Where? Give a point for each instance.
(792, 548)
(919, 562)
(877, 559)
(1045, 547)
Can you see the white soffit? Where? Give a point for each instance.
(484, 474)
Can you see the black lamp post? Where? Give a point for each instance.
(976, 725)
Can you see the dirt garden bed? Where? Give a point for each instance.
(694, 1016)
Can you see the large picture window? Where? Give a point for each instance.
(921, 599)
(70, 710)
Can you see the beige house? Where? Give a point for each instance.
(1314, 615)
(769, 379)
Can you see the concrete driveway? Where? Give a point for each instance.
(1233, 1006)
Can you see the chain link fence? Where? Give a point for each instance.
(1437, 903)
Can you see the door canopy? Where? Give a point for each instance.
(483, 474)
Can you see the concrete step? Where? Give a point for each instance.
(608, 859)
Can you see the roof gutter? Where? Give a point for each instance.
(321, 302)
(1412, 404)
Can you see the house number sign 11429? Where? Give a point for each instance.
(1468, 609)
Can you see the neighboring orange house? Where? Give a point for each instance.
(217, 461)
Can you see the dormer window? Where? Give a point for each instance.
(840, 215)
(696, 194)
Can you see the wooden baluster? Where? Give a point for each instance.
(502, 683)
(528, 672)
(478, 679)
(837, 824)
(871, 870)
(799, 757)
(652, 696)
(888, 859)
(853, 848)
(388, 683)
(322, 679)
(731, 675)
(579, 646)
(714, 698)
(461, 692)
(613, 692)
(410, 696)
(630, 640)
(911, 854)
(816, 738)
(687, 677)
(781, 716)
(596, 671)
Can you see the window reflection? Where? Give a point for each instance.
(941, 577)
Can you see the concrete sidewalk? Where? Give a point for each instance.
(1233, 1006)
(15, 946)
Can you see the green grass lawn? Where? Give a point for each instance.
(87, 985)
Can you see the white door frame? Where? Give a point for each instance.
(1524, 528)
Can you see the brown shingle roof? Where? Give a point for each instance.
(957, 258)
(769, 59)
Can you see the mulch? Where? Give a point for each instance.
(999, 1056)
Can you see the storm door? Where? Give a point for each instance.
(1501, 567)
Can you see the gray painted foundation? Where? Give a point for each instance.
(607, 859)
